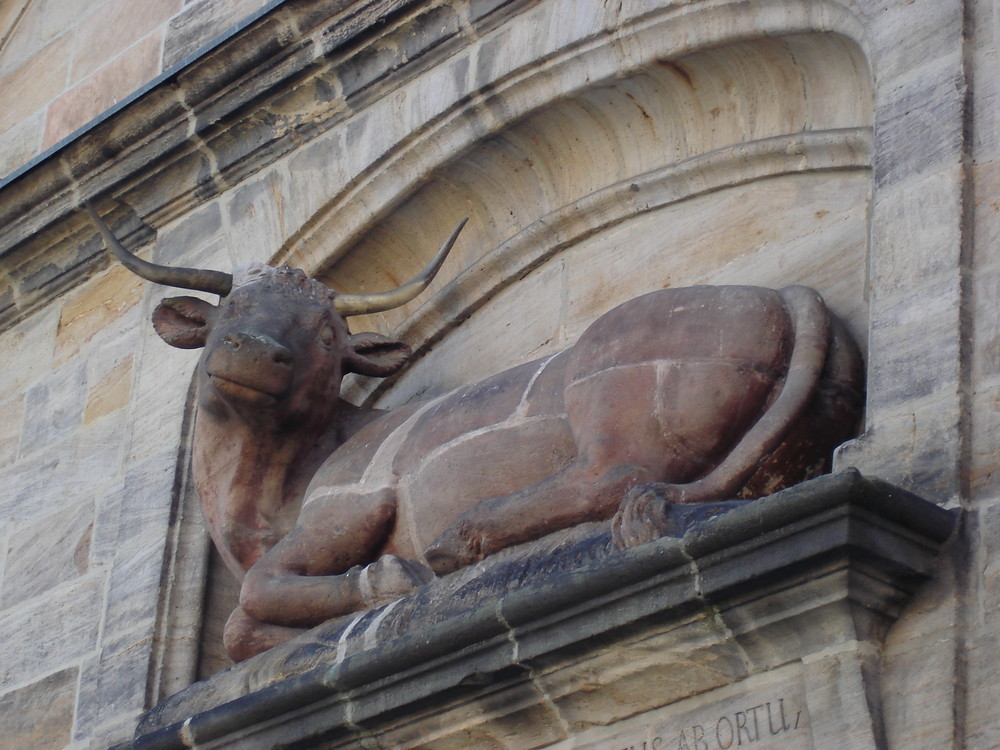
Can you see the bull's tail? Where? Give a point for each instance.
(810, 322)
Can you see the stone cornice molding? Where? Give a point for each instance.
(815, 574)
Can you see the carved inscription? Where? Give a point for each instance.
(776, 723)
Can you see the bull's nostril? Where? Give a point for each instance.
(232, 342)
(282, 357)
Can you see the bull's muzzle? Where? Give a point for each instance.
(250, 367)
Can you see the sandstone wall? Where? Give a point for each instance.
(601, 150)
(65, 62)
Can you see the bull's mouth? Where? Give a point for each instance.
(242, 392)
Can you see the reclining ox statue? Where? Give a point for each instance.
(684, 395)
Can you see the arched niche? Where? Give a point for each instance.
(747, 162)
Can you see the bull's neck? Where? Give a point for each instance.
(252, 480)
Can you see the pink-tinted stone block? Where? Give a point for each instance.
(119, 78)
(34, 84)
(111, 30)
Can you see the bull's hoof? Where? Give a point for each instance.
(655, 510)
(390, 578)
(643, 516)
(454, 549)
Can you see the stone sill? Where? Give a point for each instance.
(204, 126)
(548, 637)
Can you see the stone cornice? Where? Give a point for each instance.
(816, 572)
(253, 96)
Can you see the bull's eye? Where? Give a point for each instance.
(326, 335)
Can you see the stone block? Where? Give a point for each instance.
(47, 552)
(111, 33)
(104, 539)
(403, 44)
(28, 484)
(918, 692)
(52, 631)
(21, 142)
(194, 238)
(986, 237)
(916, 447)
(40, 24)
(916, 233)
(147, 495)
(35, 83)
(931, 30)
(914, 344)
(134, 585)
(981, 724)
(90, 97)
(40, 715)
(920, 124)
(54, 407)
(256, 219)
(10, 428)
(113, 684)
(111, 392)
(185, 177)
(94, 308)
(314, 173)
(983, 446)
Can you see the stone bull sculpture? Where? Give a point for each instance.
(683, 395)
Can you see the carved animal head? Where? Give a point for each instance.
(277, 344)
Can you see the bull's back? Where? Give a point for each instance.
(674, 378)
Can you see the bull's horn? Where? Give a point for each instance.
(361, 304)
(215, 282)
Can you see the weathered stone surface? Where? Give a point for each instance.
(113, 685)
(54, 408)
(20, 142)
(41, 714)
(111, 392)
(35, 83)
(53, 631)
(199, 23)
(47, 552)
(103, 88)
(552, 623)
(933, 138)
(99, 37)
(95, 308)
(10, 428)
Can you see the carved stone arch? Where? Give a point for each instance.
(677, 157)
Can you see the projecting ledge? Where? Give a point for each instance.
(759, 625)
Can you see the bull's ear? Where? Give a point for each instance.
(183, 321)
(374, 354)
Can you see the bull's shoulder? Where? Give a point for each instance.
(466, 411)
(349, 462)
(733, 323)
